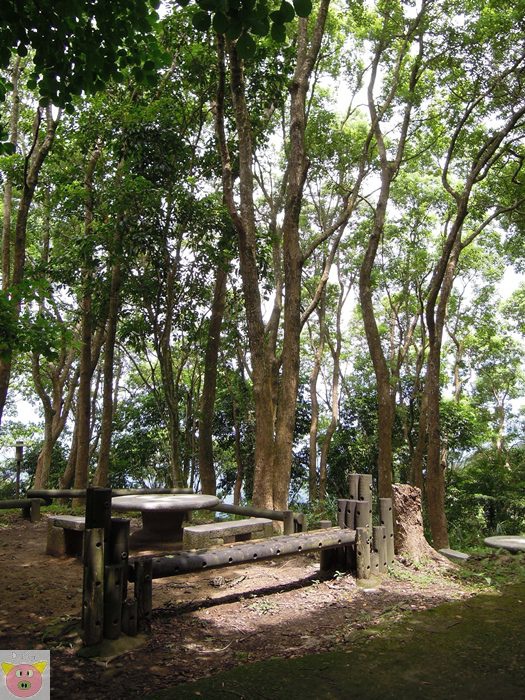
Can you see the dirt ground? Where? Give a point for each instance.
(202, 623)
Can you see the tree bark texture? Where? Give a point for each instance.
(211, 357)
(34, 161)
(86, 366)
(409, 537)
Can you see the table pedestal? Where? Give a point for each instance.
(162, 517)
(159, 529)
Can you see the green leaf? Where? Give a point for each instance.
(259, 25)
(286, 11)
(7, 148)
(201, 21)
(220, 22)
(302, 7)
(246, 46)
(234, 30)
(278, 33)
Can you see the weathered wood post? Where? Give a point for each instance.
(380, 547)
(119, 548)
(288, 521)
(19, 456)
(387, 519)
(363, 515)
(96, 534)
(299, 522)
(364, 487)
(115, 576)
(34, 510)
(353, 486)
(129, 617)
(362, 549)
(143, 593)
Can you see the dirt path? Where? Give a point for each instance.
(203, 623)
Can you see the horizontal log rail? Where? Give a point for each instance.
(20, 502)
(184, 562)
(30, 506)
(293, 522)
(48, 494)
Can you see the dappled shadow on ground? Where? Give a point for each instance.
(203, 623)
(462, 650)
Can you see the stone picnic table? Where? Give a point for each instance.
(513, 543)
(162, 516)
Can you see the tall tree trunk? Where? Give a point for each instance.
(336, 381)
(32, 167)
(237, 489)
(101, 474)
(86, 365)
(441, 287)
(211, 356)
(8, 186)
(385, 413)
(313, 489)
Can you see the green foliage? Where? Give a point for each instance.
(485, 496)
(78, 47)
(241, 20)
(138, 457)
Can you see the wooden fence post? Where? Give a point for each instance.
(93, 586)
(380, 547)
(362, 548)
(387, 519)
(96, 536)
(143, 593)
(288, 522)
(353, 487)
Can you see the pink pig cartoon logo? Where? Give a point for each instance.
(24, 680)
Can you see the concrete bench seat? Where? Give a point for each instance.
(226, 532)
(454, 555)
(65, 534)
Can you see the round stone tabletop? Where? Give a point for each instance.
(514, 543)
(167, 502)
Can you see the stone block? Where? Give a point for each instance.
(226, 532)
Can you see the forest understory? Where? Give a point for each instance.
(211, 621)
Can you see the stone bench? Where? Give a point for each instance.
(226, 532)
(454, 555)
(65, 535)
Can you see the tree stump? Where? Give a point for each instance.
(409, 536)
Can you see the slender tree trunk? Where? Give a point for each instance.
(102, 471)
(313, 490)
(206, 465)
(437, 303)
(86, 365)
(33, 165)
(336, 381)
(382, 372)
(237, 490)
(8, 186)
